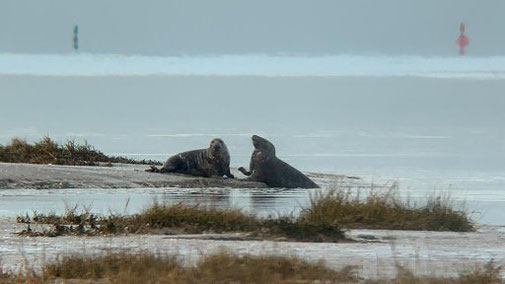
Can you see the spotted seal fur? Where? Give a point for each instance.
(211, 162)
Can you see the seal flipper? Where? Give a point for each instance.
(153, 169)
(242, 169)
(229, 174)
(172, 168)
(175, 164)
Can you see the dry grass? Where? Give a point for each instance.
(180, 219)
(384, 210)
(46, 151)
(6, 277)
(226, 268)
(222, 267)
(323, 221)
(489, 273)
(197, 219)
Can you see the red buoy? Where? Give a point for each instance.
(462, 41)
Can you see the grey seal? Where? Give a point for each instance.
(266, 167)
(211, 162)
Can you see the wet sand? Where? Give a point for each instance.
(375, 253)
(22, 176)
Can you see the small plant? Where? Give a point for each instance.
(300, 229)
(384, 210)
(142, 267)
(222, 267)
(46, 151)
(325, 220)
(488, 273)
(179, 218)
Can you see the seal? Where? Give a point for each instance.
(266, 167)
(210, 162)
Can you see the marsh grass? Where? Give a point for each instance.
(384, 210)
(488, 273)
(46, 151)
(181, 219)
(325, 220)
(221, 267)
(197, 219)
(5, 276)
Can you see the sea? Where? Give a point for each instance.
(427, 125)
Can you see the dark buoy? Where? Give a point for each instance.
(76, 37)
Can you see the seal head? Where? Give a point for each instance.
(266, 167)
(210, 162)
(266, 147)
(220, 157)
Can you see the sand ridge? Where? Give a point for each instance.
(18, 176)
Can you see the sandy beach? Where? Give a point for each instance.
(19, 176)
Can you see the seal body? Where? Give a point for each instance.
(211, 162)
(266, 167)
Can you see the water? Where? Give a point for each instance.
(430, 124)
(253, 65)
(484, 207)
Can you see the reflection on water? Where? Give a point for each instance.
(484, 206)
(103, 201)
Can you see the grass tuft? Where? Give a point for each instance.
(222, 267)
(480, 274)
(46, 151)
(142, 267)
(384, 210)
(488, 273)
(180, 219)
(122, 267)
(225, 268)
(325, 220)
(197, 219)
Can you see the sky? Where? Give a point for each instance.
(315, 27)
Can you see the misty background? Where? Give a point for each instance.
(161, 27)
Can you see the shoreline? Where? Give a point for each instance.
(34, 176)
(440, 76)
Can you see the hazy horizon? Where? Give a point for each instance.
(169, 28)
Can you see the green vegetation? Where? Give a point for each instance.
(46, 151)
(222, 267)
(180, 218)
(384, 210)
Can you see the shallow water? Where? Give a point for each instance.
(485, 207)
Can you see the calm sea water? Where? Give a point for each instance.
(429, 124)
(83, 64)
